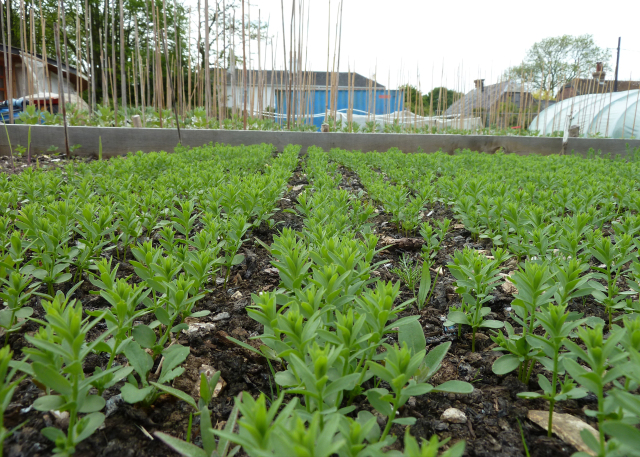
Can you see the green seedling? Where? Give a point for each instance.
(558, 325)
(433, 237)
(17, 291)
(398, 371)
(605, 364)
(535, 290)
(58, 352)
(430, 448)
(476, 276)
(209, 446)
(147, 392)
(8, 383)
(409, 272)
(613, 258)
(427, 286)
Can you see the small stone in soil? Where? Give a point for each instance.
(237, 295)
(221, 316)
(454, 416)
(113, 404)
(199, 328)
(439, 426)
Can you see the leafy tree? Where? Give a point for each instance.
(105, 30)
(412, 96)
(442, 97)
(554, 60)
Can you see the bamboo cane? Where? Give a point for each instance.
(207, 82)
(66, 47)
(56, 32)
(244, 72)
(171, 92)
(8, 65)
(113, 67)
(22, 54)
(123, 82)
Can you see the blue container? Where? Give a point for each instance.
(386, 101)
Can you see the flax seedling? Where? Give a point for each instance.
(476, 276)
(558, 326)
(124, 299)
(572, 279)
(535, 290)
(9, 381)
(430, 448)
(147, 392)
(58, 352)
(259, 426)
(606, 364)
(209, 446)
(16, 292)
(237, 227)
(613, 258)
(433, 237)
(399, 369)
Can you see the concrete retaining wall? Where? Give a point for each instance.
(120, 141)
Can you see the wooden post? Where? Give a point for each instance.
(137, 123)
(56, 31)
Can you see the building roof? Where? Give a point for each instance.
(318, 78)
(51, 62)
(483, 98)
(585, 86)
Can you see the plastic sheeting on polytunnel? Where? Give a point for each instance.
(611, 115)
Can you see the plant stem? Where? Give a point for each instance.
(600, 419)
(364, 360)
(433, 288)
(391, 419)
(552, 400)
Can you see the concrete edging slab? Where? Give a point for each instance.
(122, 140)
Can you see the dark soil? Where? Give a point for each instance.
(42, 161)
(492, 410)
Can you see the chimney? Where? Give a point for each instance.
(599, 74)
(479, 84)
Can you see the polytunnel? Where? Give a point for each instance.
(611, 115)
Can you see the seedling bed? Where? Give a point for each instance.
(240, 213)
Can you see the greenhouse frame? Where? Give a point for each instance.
(609, 115)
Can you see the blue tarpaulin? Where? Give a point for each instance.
(386, 101)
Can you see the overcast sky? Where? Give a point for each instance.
(456, 42)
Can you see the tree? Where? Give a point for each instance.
(412, 96)
(104, 15)
(551, 62)
(442, 99)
